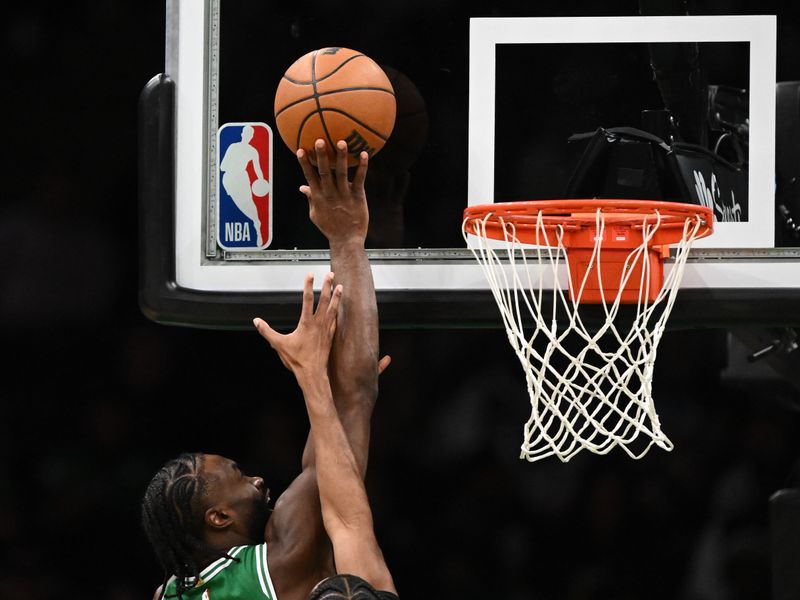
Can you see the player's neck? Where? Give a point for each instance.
(222, 541)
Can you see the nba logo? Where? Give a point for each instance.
(244, 186)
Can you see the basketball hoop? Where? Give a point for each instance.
(596, 395)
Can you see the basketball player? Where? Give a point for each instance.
(236, 180)
(209, 523)
(345, 510)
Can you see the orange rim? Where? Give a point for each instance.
(575, 216)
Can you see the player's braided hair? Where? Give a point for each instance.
(173, 521)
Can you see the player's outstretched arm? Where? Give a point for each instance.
(300, 553)
(345, 509)
(338, 207)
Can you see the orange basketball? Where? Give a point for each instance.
(335, 94)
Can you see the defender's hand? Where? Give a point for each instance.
(305, 351)
(336, 206)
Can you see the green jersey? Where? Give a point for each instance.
(226, 579)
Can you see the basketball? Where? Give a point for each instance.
(335, 94)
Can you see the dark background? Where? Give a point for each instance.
(95, 397)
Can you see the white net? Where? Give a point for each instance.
(589, 388)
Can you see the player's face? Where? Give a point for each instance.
(245, 498)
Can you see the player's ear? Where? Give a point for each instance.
(218, 517)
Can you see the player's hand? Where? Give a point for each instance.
(306, 350)
(337, 207)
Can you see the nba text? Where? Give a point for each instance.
(237, 232)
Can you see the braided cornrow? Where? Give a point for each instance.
(173, 522)
(347, 587)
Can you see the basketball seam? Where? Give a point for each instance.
(313, 62)
(316, 99)
(319, 95)
(303, 124)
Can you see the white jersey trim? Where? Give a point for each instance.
(218, 565)
(263, 572)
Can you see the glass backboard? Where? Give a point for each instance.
(499, 104)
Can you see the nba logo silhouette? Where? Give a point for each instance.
(244, 186)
